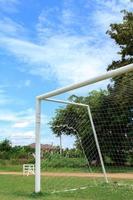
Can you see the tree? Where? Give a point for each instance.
(5, 145)
(73, 120)
(120, 89)
(109, 107)
(122, 33)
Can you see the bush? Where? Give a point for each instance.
(56, 161)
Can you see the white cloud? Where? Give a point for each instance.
(19, 127)
(4, 99)
(108, 12)
(115, 5)
(23, 138)
(63, 53)
(17, 117)
(27, 83)
(17, 132)
(23, 83)
(26, 134)
(103, 19)
(67, 58)
(9, 27)
(7, 116)
(9, 6)
(16, 137)
(21, 124)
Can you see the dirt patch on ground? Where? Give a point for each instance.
(77, 174)
(91, 175)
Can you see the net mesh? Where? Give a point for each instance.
(114, 125)
(77, 167)
(71, 166)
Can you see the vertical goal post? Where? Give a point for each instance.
(47, 96)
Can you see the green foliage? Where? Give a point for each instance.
(111, 106)
(70, 115)
(78, 119)
(16, 154)
(56, 161)
(122, 33)
(5, 145)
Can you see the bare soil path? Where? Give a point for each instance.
(77, 174)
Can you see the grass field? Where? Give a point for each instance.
(19, 168)
(16, 187)
(21, 188)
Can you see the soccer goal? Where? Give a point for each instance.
(98, 124)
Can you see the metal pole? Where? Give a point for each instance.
(109, 74)
(97, 144)
(65, 102)
(37, 147)
(60, 144)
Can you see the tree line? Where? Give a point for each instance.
(8, 152)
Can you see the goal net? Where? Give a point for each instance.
(91, 136)
(72, 161)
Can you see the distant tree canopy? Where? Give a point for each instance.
(5, 145)
(112, 109)
(7, 151)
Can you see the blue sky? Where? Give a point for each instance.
(45, 45)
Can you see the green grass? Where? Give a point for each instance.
(21, 188)
(18, 168)
(11, 168)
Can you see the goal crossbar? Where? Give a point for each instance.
(107, 75)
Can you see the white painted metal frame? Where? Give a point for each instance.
(28, 169)
(110, 74)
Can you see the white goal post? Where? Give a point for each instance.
(47, 96)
